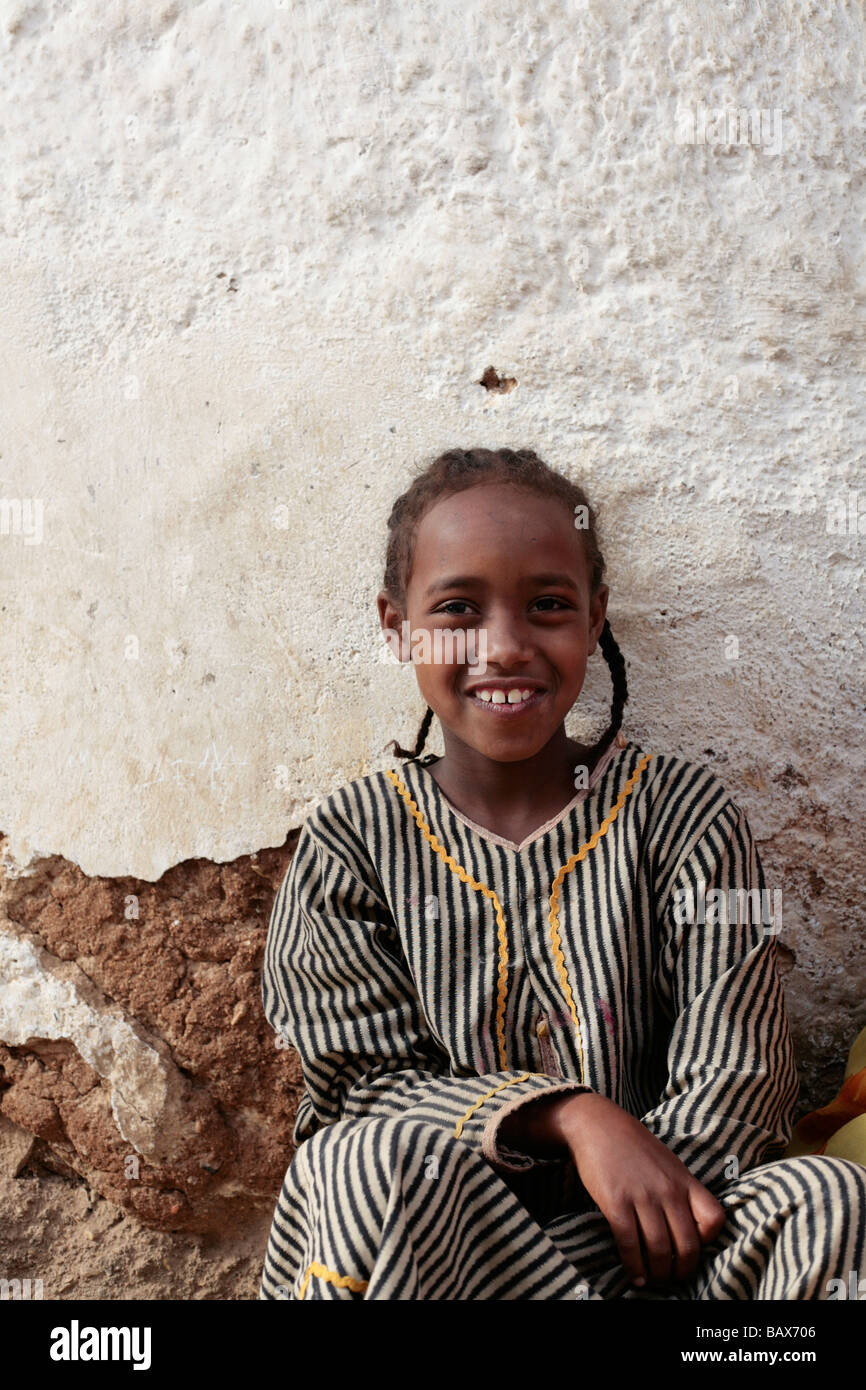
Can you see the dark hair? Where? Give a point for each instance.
(458, 469)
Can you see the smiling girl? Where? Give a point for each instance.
(531, 1072)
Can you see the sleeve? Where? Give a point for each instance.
(337, 986)
(732, 1079)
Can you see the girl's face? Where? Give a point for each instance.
(511, 565)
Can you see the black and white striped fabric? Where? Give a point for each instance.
(433, 976)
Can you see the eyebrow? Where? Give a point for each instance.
(469, 581)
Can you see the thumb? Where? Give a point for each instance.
(709, 1213)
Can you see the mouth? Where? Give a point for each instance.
(506, 704)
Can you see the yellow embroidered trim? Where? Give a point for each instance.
(342, 1281)
(524, 1076)
(553, 916)
(479, 888)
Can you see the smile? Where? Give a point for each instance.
(504, 706)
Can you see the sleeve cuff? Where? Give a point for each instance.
(504, 1156)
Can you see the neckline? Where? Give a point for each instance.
(542, 830)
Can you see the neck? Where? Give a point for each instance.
(545, 779)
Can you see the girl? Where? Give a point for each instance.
(542, 1034)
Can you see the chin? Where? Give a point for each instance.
(507, 750)
(515, 755)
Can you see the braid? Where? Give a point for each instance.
(423, 731)
(616, 661)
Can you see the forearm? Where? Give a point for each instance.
(548, 1127)
(468, 1106)
(733, 1079)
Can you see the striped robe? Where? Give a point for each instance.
(434, 976)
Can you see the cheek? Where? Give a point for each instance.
(568, 651)
(573, 672)
(437, 679)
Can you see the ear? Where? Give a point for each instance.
(394, 627)
(597, 616)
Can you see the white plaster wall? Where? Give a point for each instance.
(254, 259)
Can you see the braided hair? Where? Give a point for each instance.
(458, 469)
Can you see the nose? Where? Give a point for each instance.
(509, 639)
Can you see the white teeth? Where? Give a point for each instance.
(500, 697)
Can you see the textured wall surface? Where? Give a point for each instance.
(255, 260)
(133, 1040)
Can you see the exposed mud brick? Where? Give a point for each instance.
(132, 1038)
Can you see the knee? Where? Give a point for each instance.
(802, 1187)
(846, 1180)
(821, 1173)
(394, 1143)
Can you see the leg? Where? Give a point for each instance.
(399, 1209)
(793, 1226)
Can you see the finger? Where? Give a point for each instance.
(624, 1229)
(656, 1239)
(685, 1238)
(709, 1214)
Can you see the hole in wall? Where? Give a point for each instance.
(494, 382)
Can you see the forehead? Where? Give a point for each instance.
(496, 522)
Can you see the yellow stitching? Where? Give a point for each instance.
(342, 1281)
(502, 934)
(524, 1076)
(553, 916)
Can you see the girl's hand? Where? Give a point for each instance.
(643, 1190)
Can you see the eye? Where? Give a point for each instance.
(552, 598)
(452, 606)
